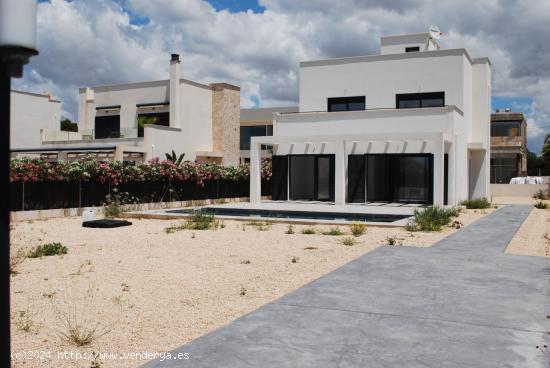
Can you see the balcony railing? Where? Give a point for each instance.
(87, 135)
(507, 141)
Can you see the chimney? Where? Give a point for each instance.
(174, 117)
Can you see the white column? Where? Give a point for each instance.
(340, 173)
(452, 172)
(255, 172)
(174, 117)
(439, 171)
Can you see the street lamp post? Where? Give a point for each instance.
(17, 45)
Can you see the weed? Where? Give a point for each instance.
(125, 286)
(431, 218)
(261, 226)
(245, 261)
(197, 221)
(540, 194)
(290, 229)
(541, 205)
(45, 250)
(222, 225)
(358, 229)
(16, 259)
(78, 331)
(243, 292)
(49, 295)
(24, 320)
(334, 231)
(476, 203)
(193, 235)
(308, 231)
(310, 248)
(348, 241)
(294, 260)
(393, 240)
(87, 266)
(112, 206)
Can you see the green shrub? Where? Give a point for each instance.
(541, 205)
(334, 231)
(308, 231)
(45, 250)
(476, 203)
(358, 229)
(197, 221)
(260, 226)
(348, 241)
(431, 218)
(112, 206)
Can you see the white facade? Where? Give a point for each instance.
(30, 113)
(459, 129)
(187, 107)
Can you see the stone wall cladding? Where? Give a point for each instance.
(226, 101)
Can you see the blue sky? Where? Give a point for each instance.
(237, 5)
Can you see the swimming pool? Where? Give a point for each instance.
(293, 214)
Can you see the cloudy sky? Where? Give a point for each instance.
(257, 44)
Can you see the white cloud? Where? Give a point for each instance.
(90, 42)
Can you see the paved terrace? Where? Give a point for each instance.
(460, 303)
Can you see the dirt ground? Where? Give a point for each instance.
(143, 291)
(533, 237)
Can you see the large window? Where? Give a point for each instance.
(418, 100)
(107, 126)
(503, 168)
(346, 103)
(248, 132)
(156, 118)
(506, 129)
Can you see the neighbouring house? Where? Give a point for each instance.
(143, 120)
(29, 113)
(508, 146)
(409, 125)
(258, 122)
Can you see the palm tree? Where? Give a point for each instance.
(175, 158)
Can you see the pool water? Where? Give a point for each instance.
(289, 214)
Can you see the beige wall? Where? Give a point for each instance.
(226, 122)
(516, 190)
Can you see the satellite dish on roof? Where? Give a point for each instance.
(435, 33)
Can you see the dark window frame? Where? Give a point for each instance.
(245, 145)
(107, 126)
(500, 126)
(412, 49)
(402, 97)
(164, 120)
(346, 101)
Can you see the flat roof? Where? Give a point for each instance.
(265, 113)
(402, 56)
(508, 116)
(44, 95)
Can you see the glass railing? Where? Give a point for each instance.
(91, 134)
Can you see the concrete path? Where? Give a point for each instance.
(461, 303)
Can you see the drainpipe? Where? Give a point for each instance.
(175, 73)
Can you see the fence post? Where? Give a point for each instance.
(23, 196)
(80, 193)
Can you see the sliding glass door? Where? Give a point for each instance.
(311, 177)
(404, 178)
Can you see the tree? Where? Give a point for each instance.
(545, 153)
(175, 158)
(68, 126)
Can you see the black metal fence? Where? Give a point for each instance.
(71, 194)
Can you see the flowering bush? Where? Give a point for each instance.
(115, 172)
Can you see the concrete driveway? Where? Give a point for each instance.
(460, 303)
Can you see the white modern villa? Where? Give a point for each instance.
(409, 125)
(139, 121)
